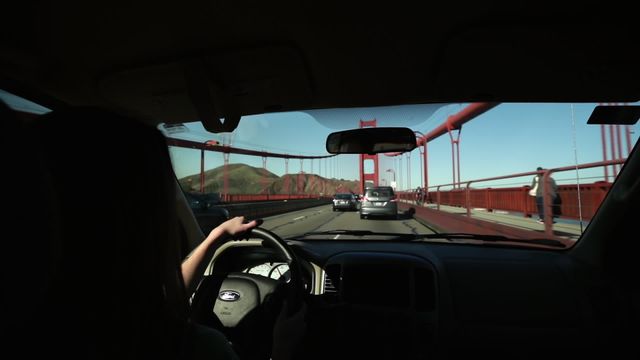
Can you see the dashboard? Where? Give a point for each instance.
(394, 281)
(376, 299)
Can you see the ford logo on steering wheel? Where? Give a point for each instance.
(229, 295)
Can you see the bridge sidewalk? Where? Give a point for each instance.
(569, 229)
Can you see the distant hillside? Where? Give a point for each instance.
(245, 179)
(311, 184)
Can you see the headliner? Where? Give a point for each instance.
(136, 58)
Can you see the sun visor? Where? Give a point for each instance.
(614, 115)
(216, 89)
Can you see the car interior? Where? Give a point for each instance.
(98, 225)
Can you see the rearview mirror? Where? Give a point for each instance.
(371, 140)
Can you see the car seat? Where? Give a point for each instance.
(117, 289)
(29, 227)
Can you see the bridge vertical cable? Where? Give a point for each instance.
(371, 177)
(575, 156)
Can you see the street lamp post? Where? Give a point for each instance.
(423, 165)
(206, 143)
(394, 177)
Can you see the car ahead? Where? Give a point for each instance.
(379, 201)
(207, 210)
(345, 201)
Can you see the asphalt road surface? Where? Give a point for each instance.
(322, 218)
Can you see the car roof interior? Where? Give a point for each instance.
(168, 63)
(156, 62)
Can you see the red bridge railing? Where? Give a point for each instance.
(576, 204)
(231, 198)
(517, 199)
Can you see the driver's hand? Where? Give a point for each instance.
(237, 225)
(288, 332)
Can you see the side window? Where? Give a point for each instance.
(21, 104)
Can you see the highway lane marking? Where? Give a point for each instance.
(293, 221)
(328, 221)
(336, 237)
(284, 215)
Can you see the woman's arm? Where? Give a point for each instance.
(194, 265)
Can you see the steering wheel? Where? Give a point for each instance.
(241, 305)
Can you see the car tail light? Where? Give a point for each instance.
(394, 198)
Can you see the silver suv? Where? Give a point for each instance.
(379, 200)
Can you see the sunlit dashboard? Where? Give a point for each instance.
(373, 297)
(272, 270)
(360, 278)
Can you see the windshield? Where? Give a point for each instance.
(344, 196)
(379, 192)
(523, 171)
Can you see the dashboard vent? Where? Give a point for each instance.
(332, 279)
(329, 288)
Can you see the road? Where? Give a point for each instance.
(322, 218)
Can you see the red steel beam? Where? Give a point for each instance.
(454, 122)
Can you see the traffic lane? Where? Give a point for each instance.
(300, 221)
(404, 224)
(322, 218)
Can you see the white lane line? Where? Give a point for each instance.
(336, 237)
(299, 217)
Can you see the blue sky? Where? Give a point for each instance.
(509, 138)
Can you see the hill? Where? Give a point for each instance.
(312, 184)
(245, 179)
